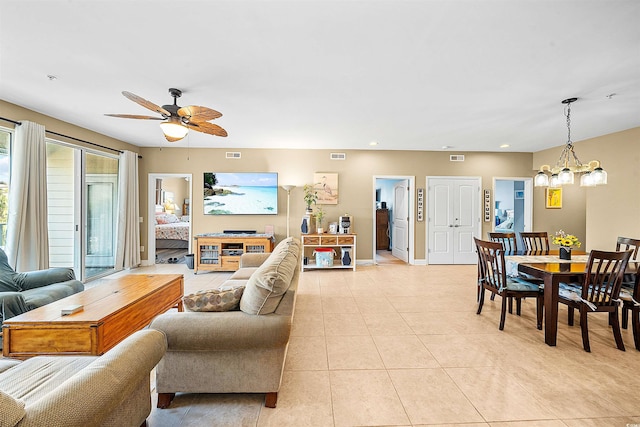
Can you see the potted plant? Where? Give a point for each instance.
(310, 196)
(319, 218)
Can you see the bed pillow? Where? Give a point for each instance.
(167, 219)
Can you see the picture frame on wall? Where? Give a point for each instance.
(553, 198)
(326, 186)
(519, 194)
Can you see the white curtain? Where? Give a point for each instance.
(27, 229)
(128, 252)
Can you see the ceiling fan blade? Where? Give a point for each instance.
(135, 116)
(172, 139)
(198, 114)
(146, 104)
(206, 127)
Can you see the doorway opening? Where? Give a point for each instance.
(169, 200)
(513, 209)
(393, 219)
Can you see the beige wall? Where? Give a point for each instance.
(600, 213)
(596, 215)
(16, 113)
(296, 167)
(180, 189)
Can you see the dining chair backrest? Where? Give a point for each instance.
(602, 284)
(508, 240)
(491, 264)
(535, 242)
(626, 243)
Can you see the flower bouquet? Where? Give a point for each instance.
(566, 243)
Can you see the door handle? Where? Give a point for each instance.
(456, 225)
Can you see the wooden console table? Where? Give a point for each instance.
(336, 242)
(221, 251)
(112, 311)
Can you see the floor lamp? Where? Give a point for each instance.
(288, 189)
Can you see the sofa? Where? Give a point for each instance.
(243, 349)
(21, 292)
(108, 390)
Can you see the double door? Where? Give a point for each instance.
(453, 220)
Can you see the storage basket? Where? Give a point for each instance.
(324, 257)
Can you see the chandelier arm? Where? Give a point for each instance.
(568, 163)
(575, 158)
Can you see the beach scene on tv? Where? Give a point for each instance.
(241, 193)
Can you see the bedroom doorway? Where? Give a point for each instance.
(169, 218)
(393, 213)
(513, 209)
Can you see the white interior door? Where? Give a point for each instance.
(400, 224)
(453, 220)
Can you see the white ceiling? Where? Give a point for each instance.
(411, 75)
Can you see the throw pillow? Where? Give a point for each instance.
(222, 299)
(270, 281)
(12, 410)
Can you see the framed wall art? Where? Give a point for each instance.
(553, 198)
(326, 184)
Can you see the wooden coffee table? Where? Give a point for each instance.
(112, 311)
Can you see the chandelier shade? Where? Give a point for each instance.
(568, 165)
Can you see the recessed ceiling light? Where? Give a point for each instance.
(51, 77)
(373, 143)
(505, 146)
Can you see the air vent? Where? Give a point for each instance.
(338, 156)
(456, 158)
(233, 155)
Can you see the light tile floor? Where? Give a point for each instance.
(402, 345)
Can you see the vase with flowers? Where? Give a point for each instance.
(566, 243)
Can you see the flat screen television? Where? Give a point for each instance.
(240, 193)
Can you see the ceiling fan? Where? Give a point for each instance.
(177, 120)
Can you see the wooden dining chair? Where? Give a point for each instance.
(535, 242)
(494, 279)
(631, 303)
(629, 292)
(598, 293)
(509, 241)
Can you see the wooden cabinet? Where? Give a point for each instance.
(382, 229)
(338, 249)
(221, 252)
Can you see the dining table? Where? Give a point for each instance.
(552, 270)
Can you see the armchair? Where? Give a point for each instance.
(21, 292)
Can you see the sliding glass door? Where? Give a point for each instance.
(101, 190)
(82, 196)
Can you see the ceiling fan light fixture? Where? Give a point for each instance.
(174, 129)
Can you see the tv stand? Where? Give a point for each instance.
(222, 251)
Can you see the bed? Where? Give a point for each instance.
(172, 232)
(506, 226)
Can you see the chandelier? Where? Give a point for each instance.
(568, 165)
